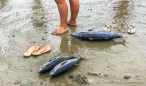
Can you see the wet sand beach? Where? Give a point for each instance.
(24, 23)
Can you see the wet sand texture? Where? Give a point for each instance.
(24, 23)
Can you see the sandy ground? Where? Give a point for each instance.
(30, 22)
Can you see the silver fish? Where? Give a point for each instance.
(52, 63)
(95, 35)
(64, 66)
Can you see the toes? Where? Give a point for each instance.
(53, 33)
(59, 32)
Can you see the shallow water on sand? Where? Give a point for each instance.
(30, 22)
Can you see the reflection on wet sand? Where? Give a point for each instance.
(39, 22)
(60, 81)
(123, 12)
(38, 17)
(23, 23)
(66, 46)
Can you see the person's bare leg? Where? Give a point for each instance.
(63, 12)
(74, 7)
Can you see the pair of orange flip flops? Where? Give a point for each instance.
(36, 50)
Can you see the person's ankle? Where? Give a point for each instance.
(62, 26)
(72, 21)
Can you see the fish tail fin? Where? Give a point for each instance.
(117, 36)
(74, 56)
(70, 35)
(50, 76)
(81, 57)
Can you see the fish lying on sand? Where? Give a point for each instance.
(95, 35)
(64, 66)
(52, 63)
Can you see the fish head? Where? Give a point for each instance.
(45, 67)
(77, 35)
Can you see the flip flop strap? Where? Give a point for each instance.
(45, 47)
(30, 47)
(40, 47)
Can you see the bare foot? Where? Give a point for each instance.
(72, 23)
(60, 31)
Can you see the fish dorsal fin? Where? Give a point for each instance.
(53, 59)
(63, 62)
(76, 64)
(50, 60)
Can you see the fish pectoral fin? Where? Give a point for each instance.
(93, 39)
(68, 69)
(71, 67)
(76, 64)
(90, 29)
(106, 38)
(90, 38)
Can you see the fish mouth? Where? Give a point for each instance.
(71, 35)
(74, 35)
